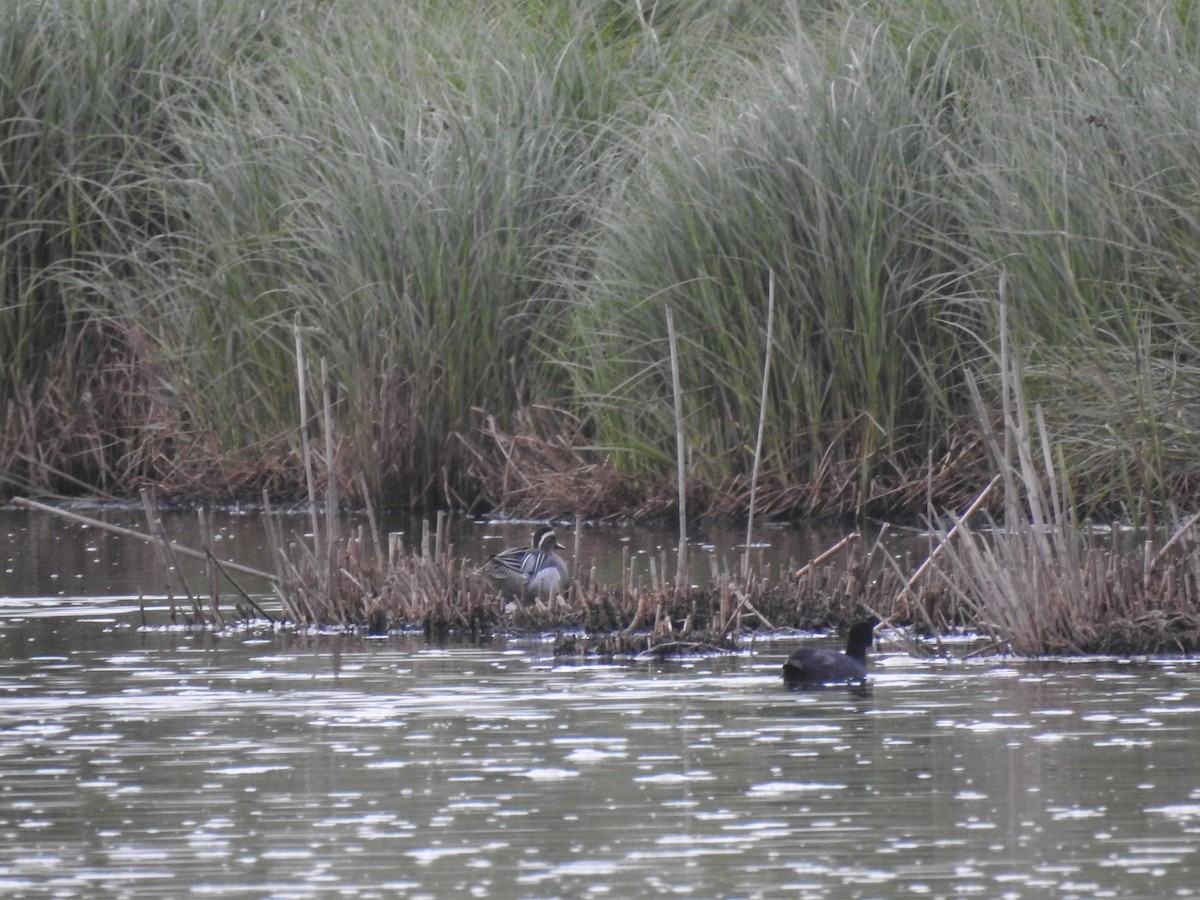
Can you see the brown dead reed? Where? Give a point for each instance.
(546, 466)
(1050, 590)
(432, 590)
(1037, 581)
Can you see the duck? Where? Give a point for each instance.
(535, 572)
(809, 667)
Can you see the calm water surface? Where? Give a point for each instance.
(153, 762)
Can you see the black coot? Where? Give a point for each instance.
(808, 667)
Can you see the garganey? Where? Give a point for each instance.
(535, 572)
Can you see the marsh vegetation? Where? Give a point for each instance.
(471, 227)
(482, 245)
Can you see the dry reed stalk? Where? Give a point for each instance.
(167, 559)
(251, 604)
(376, 536)
(914, 645)
(210, 572)
(1180, 532)
(329, 549)
(278, 558)
(440, 543)
(681, 569)
(576, 556)
(762, 416)
(210, 569)
(305, 449)
(826, 555)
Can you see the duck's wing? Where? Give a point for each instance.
(514, 560)
(527, 561)
(541, 560)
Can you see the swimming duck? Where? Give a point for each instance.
(535, 572)
(808, 667)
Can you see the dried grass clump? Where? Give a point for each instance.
(1037, 582)
(909, 479)
(664, 618)
(96, 421)
(1049, 590)
(108, 419)
(356, 585)
(441, 594)
(546, 467)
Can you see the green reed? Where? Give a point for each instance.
(826, 181)
(84, 128)
(887, 176)
(410, 201)
(478, 214)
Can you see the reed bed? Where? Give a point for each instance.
(1029, 590)
(1052, 591)
(1024, 590)
(472, 238)
(440, 594)
(1037, 580)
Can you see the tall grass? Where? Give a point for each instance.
(886, 177)
(1080, 181)
(478, 213)
(824, 171)
(84, 89)
(1038, 582)
(1084, 191)
(411, 200)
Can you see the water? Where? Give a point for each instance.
(43, 555)
(153, 762)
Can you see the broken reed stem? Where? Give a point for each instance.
(823, 557)
(210, 573)
(958, 522)
(439, 536)
(1006, 414)
(762, 416)
(278, 558)
(1174, 539)
(166, 558)
(250, 601)
(168, 583)
(681, 574)
(134, 533)
(906, 590)
(376, 536)
(575, 552)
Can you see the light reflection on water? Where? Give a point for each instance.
(162, 763)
